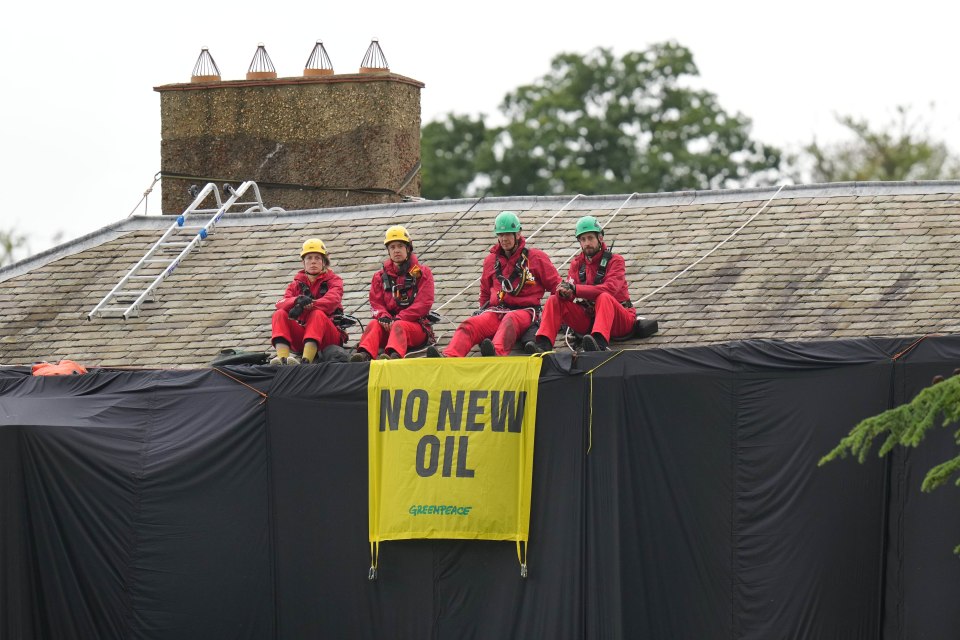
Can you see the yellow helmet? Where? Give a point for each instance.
(313, 245)
(395, 233)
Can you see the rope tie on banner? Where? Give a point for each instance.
(374, 556)
(719, 244)
(590, 375)
(522, 556)
(237, 380)
(550, 219)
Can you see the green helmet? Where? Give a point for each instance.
(586, 224)
(506, 222)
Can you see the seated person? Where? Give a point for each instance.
(302, 321)
(594, 299)
(401, 295)
(515, 277)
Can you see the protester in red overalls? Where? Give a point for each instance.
(302, 321)
(594, 300)
(514, 280)
(401, 295)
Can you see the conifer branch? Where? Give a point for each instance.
(907, 425)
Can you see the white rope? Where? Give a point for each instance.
(143, 198)
(462, 291)
(720, 244)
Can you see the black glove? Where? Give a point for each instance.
(298, 306)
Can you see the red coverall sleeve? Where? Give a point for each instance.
(545, 271)
(330, 301)
(377, 296)
(422, 304)
(289, 297)
(573, 271)
(614, 281)
(486, 279)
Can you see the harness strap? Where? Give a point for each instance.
(305, 289)
(404, 291)
(507, 287)
(601, 270)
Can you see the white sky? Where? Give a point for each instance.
(80, 122)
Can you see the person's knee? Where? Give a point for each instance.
(507, 334)
(606, 302)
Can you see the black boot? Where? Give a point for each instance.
(540, 345)
(433, 352)
(601, 342)
(486, 348)
(595, 342)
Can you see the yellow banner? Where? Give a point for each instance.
(451, 447)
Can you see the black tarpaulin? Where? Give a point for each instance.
(134, 505)
(678, 499)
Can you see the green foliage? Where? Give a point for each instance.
(451, 150)
(902, 150)
(907, 425)
(600, 124)
(11, 242)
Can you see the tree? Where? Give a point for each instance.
(601, 124)
(450, 152)
(902, 150)
(11, 241)
(907, 425)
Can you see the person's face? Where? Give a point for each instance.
(398, 252)
(589, 243)
(314, 264)
(508, 241)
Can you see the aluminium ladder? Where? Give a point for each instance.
(138, 286)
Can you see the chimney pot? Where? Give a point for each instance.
(261, 67)
(205, 69)
(373, 60)
(318, 64)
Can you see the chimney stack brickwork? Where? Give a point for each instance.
(334, 137)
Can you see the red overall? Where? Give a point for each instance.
(609, 317)
(407, 327)
(508, 314)
(317, 325)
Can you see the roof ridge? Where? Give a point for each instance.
(523, 203)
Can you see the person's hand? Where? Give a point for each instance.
(566, 290)
(385, 321)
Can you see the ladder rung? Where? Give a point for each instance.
(145, 277)
(164, 260)
(132, 295)
(174, 244)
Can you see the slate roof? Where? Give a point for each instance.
(822, 261)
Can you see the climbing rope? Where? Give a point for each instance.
(720, 244)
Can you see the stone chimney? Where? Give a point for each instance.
(312, 141)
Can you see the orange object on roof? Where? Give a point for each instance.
(62, 368)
